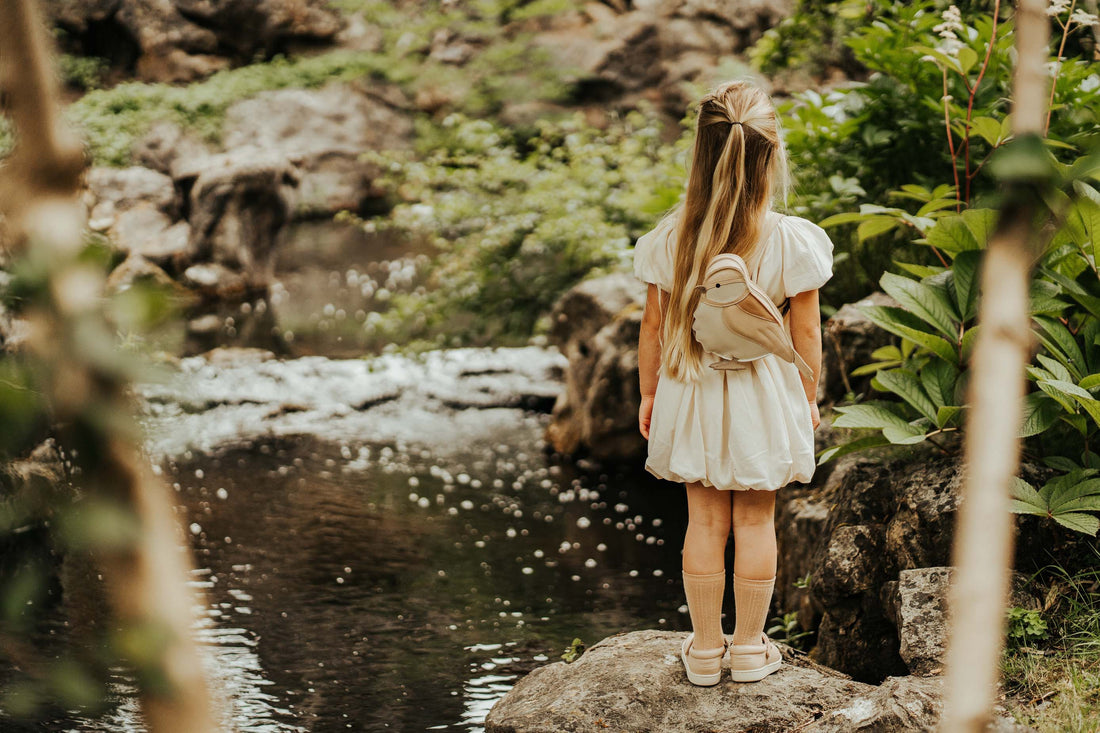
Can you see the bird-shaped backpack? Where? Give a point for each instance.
(736, 319)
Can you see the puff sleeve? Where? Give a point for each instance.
(654, 254)
(807, 256)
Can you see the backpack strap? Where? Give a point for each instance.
(763, 241)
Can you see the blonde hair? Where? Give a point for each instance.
(738, 166)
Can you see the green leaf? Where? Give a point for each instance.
(923, 301)
(920, 271)
(868, 416)
(1040, 413)
(946, 415)
(1026, 494)
(1067, 491)
(875, 226)
(848, 217)
(1083, 523)
(1087, 212)
(892, 319)
(966, 283)
(967, 58)
(908, 435)
(1055, 368)
(951, 235)
(905, 384)
(980, 224)
(939, 379)
(936, 205)
(1060, 342)
(874, 368)
(870, 441)
(1024, 160)
(986, 128)
(1092, 381)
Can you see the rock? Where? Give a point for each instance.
(239, 204)
(136, 269)
(149, 233)
(164, 144)
(635, 682)
(647, 52)
(847, 343)
(216, 281)
(323, 133)
(596, 326)
(799, 524)
(900, 704)
(181, 40)
(110, 191)
(917, 603)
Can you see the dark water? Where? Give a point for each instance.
(374, 587)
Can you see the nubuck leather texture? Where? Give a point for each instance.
(737, 321)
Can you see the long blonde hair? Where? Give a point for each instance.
(737, 167)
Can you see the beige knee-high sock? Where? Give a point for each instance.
(704, 599)
(752, 600)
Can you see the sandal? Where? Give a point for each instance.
(711, 659)
(754, 662)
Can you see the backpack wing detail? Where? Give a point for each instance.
(737, 321)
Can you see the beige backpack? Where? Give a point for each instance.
(736, 319)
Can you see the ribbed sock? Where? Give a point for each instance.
(752, 601)
(704, 600)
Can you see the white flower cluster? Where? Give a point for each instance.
(949, 31)
(1077, 17)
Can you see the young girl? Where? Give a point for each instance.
(733, 437)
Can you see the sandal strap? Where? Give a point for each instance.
(761, 648)
(704, 653)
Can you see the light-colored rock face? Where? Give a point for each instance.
(322, 133)
(918, 602)
(635, 682)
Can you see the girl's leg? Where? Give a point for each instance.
(704, 567)
(753, 519)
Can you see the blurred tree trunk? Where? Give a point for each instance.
(146, 580)
(983, 549)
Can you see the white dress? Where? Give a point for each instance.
(739, 429)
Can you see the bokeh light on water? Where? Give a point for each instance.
(406, 585)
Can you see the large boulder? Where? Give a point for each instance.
(239, 204)
(181, 40)
(635, 682)
(323, 133)
(596, 326)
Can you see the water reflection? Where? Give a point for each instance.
(381, 588)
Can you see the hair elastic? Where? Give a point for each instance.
(738, 123)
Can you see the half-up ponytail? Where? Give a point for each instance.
(737, 165)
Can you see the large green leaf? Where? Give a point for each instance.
(868, 416)
(951, 235)
(1060, 342)
(939, 378)
(1029, 500)
(905, 384)
(980, 222)
(876, 225)
(836, 451)
(1087, 212)
(907, 435)
(966, 283)
(1070, 491)
(1083, 523)
(899, 322)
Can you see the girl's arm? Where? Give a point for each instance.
(806, 335)
(649, 354)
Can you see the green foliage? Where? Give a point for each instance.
(785, 629)
(1025, 626)
(82, 72)
(573, 652)
(510, 69)
(863, 140)
(518, 220)
(1065, 499)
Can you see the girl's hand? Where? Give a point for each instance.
(645, 412)
(815, 414)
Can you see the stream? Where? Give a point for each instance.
(387, 544)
